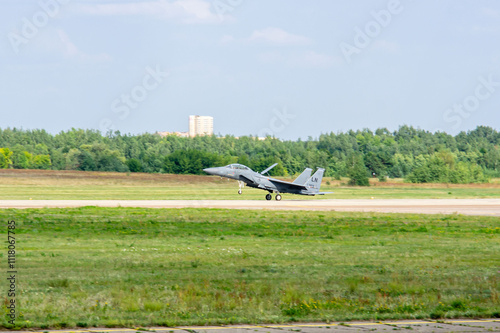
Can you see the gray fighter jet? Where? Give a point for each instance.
(305, 184)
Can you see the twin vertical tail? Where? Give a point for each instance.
(314, 183)
(303, 177)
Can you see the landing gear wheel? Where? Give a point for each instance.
(268, 197)
(278, 197)
(239, 191)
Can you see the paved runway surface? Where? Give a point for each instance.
(487, 207)
(455, 325)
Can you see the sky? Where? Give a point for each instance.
(288, 68)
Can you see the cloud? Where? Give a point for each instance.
(67, 47)
(56, 42)
(69, 50)
(186, 11)
(278, 36)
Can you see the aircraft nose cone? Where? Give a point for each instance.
(211, 171)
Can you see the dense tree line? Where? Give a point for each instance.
(415, 154)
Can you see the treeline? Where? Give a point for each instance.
(414, 154)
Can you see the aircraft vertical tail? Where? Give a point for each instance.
(314, 183)
(303, 177)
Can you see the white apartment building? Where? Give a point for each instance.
(201, 125)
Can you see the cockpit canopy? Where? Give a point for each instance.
(237, 166)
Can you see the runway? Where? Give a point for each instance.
(485, 207)
(423, 326)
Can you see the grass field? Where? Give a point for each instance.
(144, 267)
(43, 185)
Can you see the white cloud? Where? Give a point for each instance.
(69, 50)
(56, 42)
(67, 47)
(186, 11)
(278, 36)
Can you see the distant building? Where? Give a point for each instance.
(260, 138)
(198, 125)
(201, 125)
(179, 134)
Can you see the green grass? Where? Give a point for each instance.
(79, 185)
(228, 191)
(113, 267)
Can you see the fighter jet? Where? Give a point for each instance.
(305, 184)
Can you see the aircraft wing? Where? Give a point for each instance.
(272, 166)
(283, 184)
(246, 179)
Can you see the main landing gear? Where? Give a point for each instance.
(269, 197)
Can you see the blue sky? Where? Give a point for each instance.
(286, 68)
